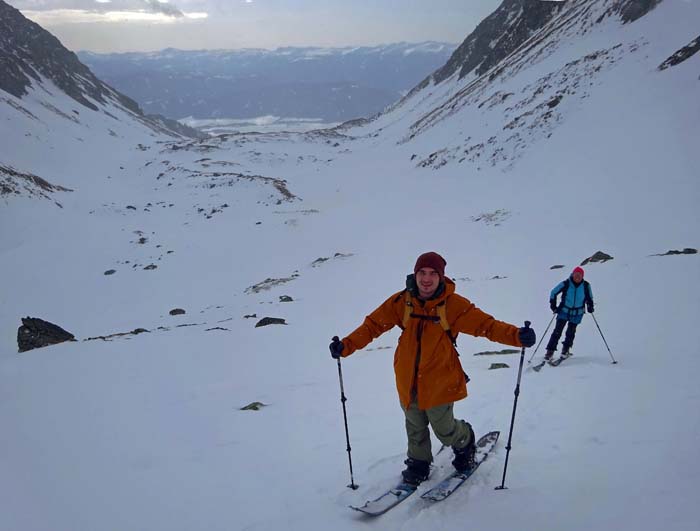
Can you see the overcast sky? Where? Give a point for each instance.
(145, 25)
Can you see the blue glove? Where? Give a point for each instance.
(527, 336)
(336, 347)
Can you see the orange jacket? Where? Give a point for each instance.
(425, 358)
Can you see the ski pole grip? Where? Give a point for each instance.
(527, 324)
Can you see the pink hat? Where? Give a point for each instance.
(577, 269)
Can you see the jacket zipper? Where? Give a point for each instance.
(414, 386)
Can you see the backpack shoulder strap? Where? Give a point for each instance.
(442, 314)
(441, 311)
(407, 309)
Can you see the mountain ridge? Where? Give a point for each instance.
(332, 84)
(29, 55)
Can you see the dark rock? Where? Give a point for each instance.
(110, 271)
(265, 321)
(687, 250)
(554, 101)
(319, 261)
(37, 333)
(177, 311)
(286, 298)
(599, 256)
(631, 10)
(681, 55)
(134, 332)
(150, 267)
(508, 27)
(269, 283)
(13, 182)
(558, 266)
(497, 352)
(499, 366)
(250, 316)
(253, 406)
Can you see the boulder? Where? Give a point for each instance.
(37, 333)
(599, 256)
(270, 321)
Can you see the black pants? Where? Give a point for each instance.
(556, 334)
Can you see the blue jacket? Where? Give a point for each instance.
(574, 298)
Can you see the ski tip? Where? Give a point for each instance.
(489, 438)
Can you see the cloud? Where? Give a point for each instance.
(55, 12)
(166, 8)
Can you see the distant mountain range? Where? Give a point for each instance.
(33, 61)
(330, 84)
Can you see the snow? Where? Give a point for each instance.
(146, 431)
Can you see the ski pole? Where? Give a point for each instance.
(512, 420)
(345, 417)
(542, 338)
(601, 335)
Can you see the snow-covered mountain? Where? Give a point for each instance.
(331, 84)
(525, 89)
(48, 98)
(167, 254)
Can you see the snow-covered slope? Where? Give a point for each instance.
(570, 104)
(51, 104)
(145, 431)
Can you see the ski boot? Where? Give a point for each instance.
(464, 457)
(416, 471)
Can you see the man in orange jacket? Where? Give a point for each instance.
(429, 375)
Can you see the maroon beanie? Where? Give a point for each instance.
(432, 260)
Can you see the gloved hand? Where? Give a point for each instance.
(336, 347)
(527, 336)
(553, 304)
(589, 308)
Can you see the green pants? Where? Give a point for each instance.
(447, 429)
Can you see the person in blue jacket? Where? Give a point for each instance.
(575, 294)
